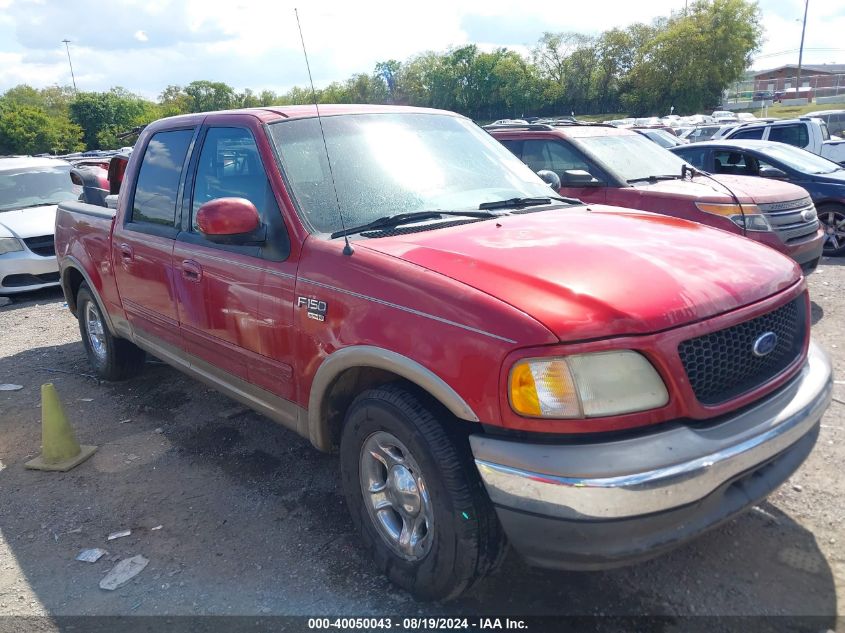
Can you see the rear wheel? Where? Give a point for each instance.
(112, 358)
(415, 496)
(832, 217)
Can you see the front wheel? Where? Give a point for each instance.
(832, 217)
(112, 358)
(415, 496)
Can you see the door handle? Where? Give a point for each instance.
(191, 271)
(126, 252)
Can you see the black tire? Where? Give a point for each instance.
(119, 358)
(467, 542)
(832, 213)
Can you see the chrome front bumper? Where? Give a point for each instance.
(655, 472)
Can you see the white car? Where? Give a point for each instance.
(30, 189)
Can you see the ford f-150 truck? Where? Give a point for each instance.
(608, 165)
(594, 385)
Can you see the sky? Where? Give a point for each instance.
(146, 45)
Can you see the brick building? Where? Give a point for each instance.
(817, 79)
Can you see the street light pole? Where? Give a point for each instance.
(801, 52)
(67, 48)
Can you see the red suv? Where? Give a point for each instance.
(602, 164)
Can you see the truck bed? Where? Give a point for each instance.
(83, 235)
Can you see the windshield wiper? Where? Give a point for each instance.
(653, 178)
(404, 218)
(519, 203)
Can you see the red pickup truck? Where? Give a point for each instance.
(603, 164)
(594, 385)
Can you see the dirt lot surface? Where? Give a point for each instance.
(253, 520)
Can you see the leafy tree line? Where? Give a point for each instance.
(685, 60)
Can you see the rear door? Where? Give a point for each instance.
(142, 245)
(236, 301)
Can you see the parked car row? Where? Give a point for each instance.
(823, 179)
(609, 165)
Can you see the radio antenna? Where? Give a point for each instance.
(347, 249)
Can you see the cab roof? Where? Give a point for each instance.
(275, 113)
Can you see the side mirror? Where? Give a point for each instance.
(772, 172)
(580, 178)
(550, 178)
(230, 221)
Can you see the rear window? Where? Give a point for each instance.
(158, 178)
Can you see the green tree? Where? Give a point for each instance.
(207, 96)
(694, 56)
(27, 129)
(103, 114)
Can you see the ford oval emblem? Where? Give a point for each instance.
(808, 214)
(765, 344)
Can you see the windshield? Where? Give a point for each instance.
(800, 159)
(631, 157)
(36, 186)
(385, 164)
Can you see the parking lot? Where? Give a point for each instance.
(253, 521)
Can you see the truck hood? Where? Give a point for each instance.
(747, 188)
(31, 222)
(599, 271)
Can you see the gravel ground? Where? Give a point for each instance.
(253, 520)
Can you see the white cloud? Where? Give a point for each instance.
(149, 44)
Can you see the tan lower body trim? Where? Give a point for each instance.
(277, 409)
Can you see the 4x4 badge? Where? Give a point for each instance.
(315, 309)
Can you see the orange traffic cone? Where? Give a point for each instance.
(59, 448)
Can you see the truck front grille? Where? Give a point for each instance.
(788, 219)
(722, 365)
(42, 245)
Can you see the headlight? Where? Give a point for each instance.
(9, 245)
(585, 385)
(746, 216)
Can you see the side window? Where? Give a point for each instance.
(553, 155)
(790, 134)
(158, 179)
(229, 167)
(836, 123)
(733, 162)
(695, 157)
(753, 133)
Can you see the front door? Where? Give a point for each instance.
(559, 156)
(142, 246)
(224, 291)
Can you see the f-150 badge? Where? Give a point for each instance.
(315, 309)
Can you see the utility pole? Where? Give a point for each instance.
(801, 52)
(67, 48)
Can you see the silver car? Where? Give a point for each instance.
(30, 189)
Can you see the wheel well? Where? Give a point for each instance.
(73, 279)
(343, 390)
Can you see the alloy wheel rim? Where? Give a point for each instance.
(396, 495)
(96, 333)
(834, 229)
